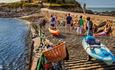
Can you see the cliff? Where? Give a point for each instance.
(66, 5)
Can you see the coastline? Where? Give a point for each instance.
(33, 13)
(95, 18)
(73, 42)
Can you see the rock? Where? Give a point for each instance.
(101, 24)
(100, 30)
(89, 12)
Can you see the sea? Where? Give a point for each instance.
(12, 44)
(101, 9)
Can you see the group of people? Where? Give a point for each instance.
(81, 25)
(69, 23)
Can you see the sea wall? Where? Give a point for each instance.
(61, 15)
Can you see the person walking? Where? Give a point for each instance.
(89, 29)
(81, 23)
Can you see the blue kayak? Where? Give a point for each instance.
(100, 52)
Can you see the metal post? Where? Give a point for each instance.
(84, 8)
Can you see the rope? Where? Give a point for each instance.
(41, 34)
(40, 62)
(42, 45)
(42, 37)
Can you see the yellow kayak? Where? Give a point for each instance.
(54, 32)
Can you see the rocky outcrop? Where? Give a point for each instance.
(107, 13)
(67, 5)
(18, 9)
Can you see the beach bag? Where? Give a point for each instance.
(90, 40)
(78, 30)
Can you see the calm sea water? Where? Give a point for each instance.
(12, 44)
(101, 9)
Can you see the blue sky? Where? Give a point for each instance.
(98, 3)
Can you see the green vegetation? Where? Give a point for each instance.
(30, 5)
(57, 5)
(65, 5)
(61, 1)
(48, 3)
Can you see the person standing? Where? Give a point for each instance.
(89, 29)
(81, 23)
(53, 20)
(89, 26)
(69, 22)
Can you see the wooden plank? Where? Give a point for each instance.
(34, 61)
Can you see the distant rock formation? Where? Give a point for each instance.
(107, 13)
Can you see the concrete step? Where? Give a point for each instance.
(75, 64)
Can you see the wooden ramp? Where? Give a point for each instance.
(75, 64)
(35, 60)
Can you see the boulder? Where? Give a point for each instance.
(101, 24)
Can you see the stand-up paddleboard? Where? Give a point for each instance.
(54, 32)
(101, 35)
(100, 52)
